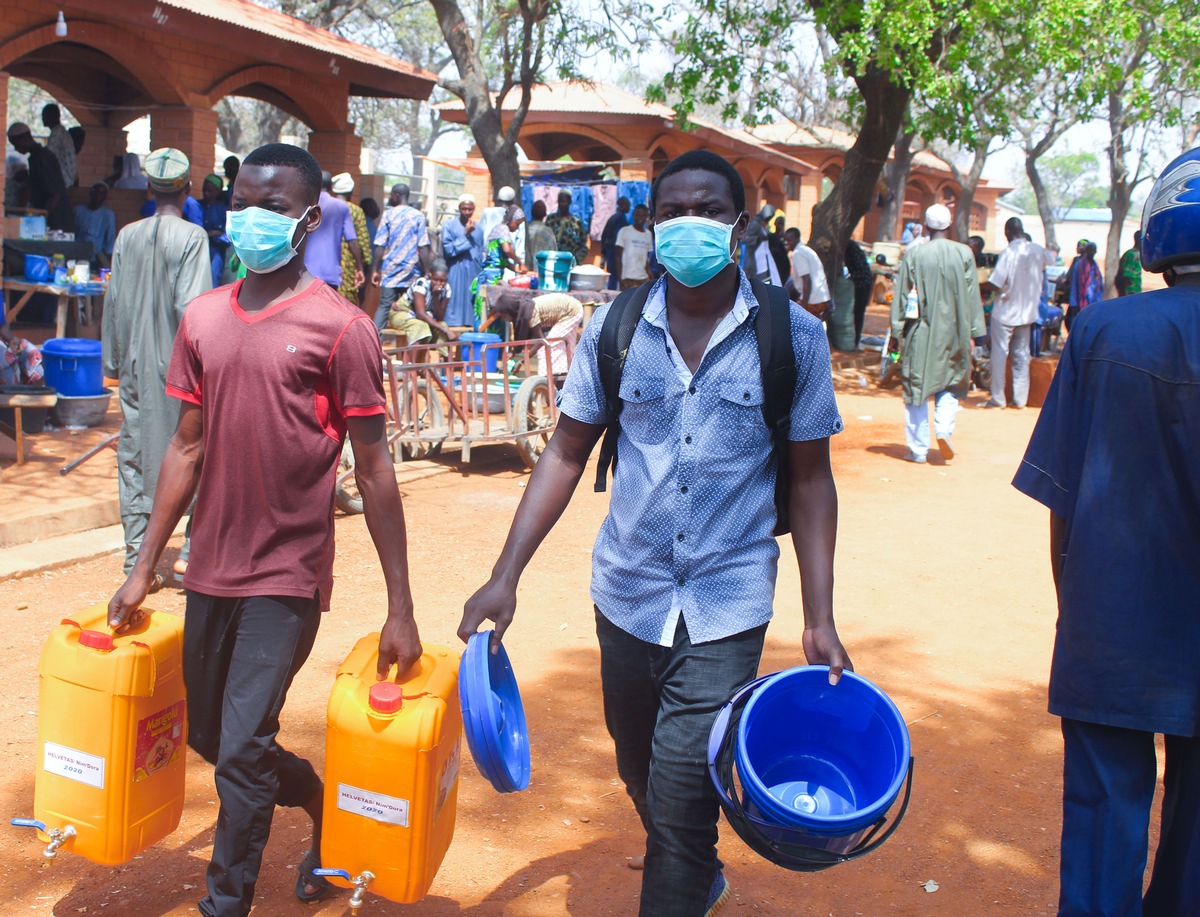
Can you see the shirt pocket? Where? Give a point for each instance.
(740, 406)
(644, 410)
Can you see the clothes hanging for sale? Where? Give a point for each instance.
(638, 192)
(604, 205)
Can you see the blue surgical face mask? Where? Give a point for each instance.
(693, 249)
(263, 238)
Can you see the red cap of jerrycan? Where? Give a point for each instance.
(96, 640)
(386, 697)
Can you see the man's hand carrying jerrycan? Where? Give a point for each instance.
(112, 736)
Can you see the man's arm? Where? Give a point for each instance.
(1058, 532)
(356, 250)
(377, 265)
(615, 267)
(399, 641)
(551, 486)
(813, 512)
(176, 484)
(425, 255)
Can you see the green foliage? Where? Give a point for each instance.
(1072, 179)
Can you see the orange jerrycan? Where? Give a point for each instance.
(112, 736)
(391, 774)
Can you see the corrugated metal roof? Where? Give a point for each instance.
(248, 15)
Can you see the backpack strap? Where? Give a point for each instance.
(777, 361)
(615, 335)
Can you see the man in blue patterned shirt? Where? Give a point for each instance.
(401, 251)
(683, 572)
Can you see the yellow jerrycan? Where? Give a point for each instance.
(112, 737)
(391, 774)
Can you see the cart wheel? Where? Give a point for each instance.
(346, 494)
(532, 412)
(429, 416)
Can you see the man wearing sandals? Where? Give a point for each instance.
(258, 442)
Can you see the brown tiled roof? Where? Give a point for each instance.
(245, 14)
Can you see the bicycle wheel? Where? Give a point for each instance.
(421, 415)
(531, 412)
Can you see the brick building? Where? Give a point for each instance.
(174, 60)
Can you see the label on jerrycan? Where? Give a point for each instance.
(386, 809)
(74, 765)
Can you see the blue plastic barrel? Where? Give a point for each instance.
(477, 341)
(821, 761)
(73, 366)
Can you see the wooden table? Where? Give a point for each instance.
(27, 289)
(16, 432)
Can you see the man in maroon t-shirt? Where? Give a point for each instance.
(272, 374)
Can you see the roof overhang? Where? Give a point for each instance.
(242, 26)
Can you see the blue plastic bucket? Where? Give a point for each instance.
(477, 341)
(821, 762)
(73, 366)
(554, 270)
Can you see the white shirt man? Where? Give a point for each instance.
(633, 242)
(808, 275)
(1018, 279)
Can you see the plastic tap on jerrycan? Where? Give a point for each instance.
(112, 736)
(391, 772)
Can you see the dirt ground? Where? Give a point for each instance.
(943, 598)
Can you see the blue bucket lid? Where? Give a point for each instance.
(480, 337)
(72, 347)
(493, 716)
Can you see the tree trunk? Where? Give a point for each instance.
(483, 117)
(1045, 210)
(969, 182)
(895, 173)
(834, 219)
(1120, 188)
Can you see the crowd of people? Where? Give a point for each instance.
(685, 562)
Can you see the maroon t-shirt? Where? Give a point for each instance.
(276, 388)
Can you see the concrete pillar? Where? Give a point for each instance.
(95, 160)
(192, 130)
(337, 151)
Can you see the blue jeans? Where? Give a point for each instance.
(1109, 776)
(659, 705)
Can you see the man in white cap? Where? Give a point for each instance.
(159, 265)
(342, 185)
(936, 312)
(491, 216)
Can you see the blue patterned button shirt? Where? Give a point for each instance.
(689, 525)
(402, 231)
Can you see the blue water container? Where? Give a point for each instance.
(554, 270)
(822, 762)
(73, 366)
(477, 341)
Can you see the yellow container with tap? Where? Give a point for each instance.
(112, 736)
(391, 773)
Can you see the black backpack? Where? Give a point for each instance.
(777, 359)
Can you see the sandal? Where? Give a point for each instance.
(323, 887)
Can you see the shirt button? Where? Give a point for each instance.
(680, 536)
(681, 581)
(746, 396)
(687, 439)
(683, 489)
(691, 389)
